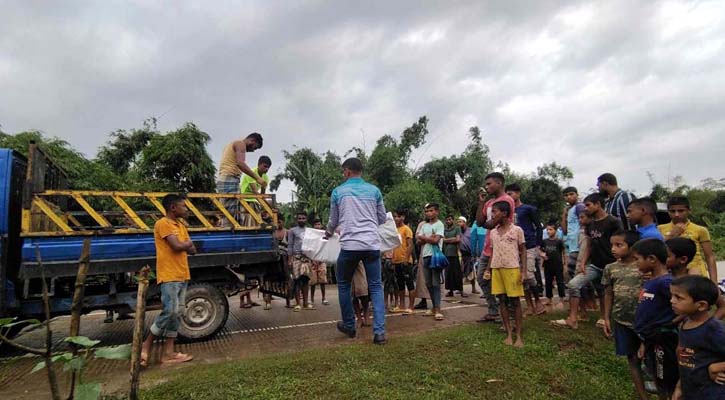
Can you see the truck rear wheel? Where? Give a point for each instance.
(207, 310)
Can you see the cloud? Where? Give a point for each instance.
(614, 86)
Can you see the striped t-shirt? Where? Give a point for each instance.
(616, 206)
(356, 207)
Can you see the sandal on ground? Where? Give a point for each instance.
(247, 305)
(407, 311)
(561, 323)
(542, 311)
(178, 359)
(268, 306)
(297, 308)
(310, 307)
(325, 302)
(428, 313)
(439, 317)
(600, 323)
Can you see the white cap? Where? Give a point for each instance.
(462, 218)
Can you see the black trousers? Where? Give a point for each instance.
(552, 272)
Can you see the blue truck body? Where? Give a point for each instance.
(224, 258)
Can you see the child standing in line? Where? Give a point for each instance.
(701, 347)
(390, 286)
(319, 273)
(622, 283)
(680, 253)
(554, 255)
(508, 266)
(361, 295)
(654, 321)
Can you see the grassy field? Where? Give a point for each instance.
(456, 363)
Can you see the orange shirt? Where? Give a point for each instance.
(171, 265)
(400, 253)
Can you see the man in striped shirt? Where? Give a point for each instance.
(617, 200)
(356, 208)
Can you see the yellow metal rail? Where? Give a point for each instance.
(97, 212)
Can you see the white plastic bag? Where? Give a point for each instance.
(316, 248)
(389, 236)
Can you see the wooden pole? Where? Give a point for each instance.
(77, 304)
(143, 285)
(52, 380)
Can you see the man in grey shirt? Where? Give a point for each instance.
(356, 208)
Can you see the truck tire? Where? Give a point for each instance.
(207, 310)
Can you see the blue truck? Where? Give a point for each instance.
(43, 226)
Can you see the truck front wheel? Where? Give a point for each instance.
(207, 310)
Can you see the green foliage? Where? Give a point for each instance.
(122, 352)
(460, 177)
(123, 150)
(314, 177)
(88, 391)
(177, 161)
(82, 341)
(388, 162)
(411, 195)
(82, 173)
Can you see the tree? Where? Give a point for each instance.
(412, 195)
(388, 162)
(83, 174)
(314, 178)
(555, 172)
(176, 161)
(660, 193)
(459, 178)
(122, 152)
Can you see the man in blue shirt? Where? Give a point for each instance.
(527, 217)
(478, 239)
(642, 213)
(356, 209)
(570, 227)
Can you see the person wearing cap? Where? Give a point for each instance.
(464, 247)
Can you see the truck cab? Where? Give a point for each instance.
(43, 227)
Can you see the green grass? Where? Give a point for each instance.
(452, 363)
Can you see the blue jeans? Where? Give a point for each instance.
(593, 275)
(485, 285)
(173, 295)
(347, 261)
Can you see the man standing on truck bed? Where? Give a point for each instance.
(172, 275)
(233, 164)
(356, 208)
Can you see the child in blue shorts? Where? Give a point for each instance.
(622, 282)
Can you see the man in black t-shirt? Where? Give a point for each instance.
(594, 256)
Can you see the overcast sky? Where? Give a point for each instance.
(610, 86)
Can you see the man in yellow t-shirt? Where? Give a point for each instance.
(679, 209)
(172, 275)
(403, 262)
(249, 185)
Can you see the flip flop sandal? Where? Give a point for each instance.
(246, 306)
(439, 317)
(297, 309)
(541, 312)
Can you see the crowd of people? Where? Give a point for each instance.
(655, 286)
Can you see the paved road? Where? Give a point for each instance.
(248, 332)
